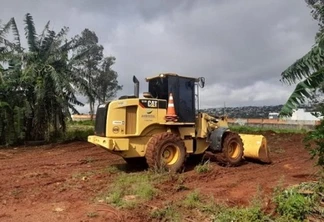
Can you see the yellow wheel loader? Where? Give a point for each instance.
(165, 127)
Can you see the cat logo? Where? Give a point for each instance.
(151, 103)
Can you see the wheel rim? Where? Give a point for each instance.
(170, 154)
(233, 150)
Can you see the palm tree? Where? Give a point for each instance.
(51, 83)
(11, 99)
(308, 71)
(45, 76)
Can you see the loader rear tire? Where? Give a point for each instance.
(233, 149)
(166, 151)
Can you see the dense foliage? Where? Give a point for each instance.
(315, 142)
(308, 71)
(40, 84)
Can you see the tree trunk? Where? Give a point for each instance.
(91, 110)
(2, 131)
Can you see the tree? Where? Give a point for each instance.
(48, 80)
(43, 77)
(106, 82)
(317, 13)
(39, 84)
(11, 98)
(88, 67)
(308, 71)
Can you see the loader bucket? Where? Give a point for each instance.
(255, 147)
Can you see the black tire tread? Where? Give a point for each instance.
(228, 136)
(152, 150)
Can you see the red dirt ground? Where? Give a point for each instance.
(50, 183)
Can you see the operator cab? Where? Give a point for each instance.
(182, 89)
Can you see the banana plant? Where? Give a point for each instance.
(308, 71)
(42, 76)
(308, 75)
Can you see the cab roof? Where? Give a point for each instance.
(163, 75)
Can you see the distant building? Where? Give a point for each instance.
(273, 115)
(82, 117)
(302, 114)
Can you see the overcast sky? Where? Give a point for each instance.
(240, 47)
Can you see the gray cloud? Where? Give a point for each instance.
(240, 47)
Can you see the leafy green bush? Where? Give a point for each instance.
(296, 203)
(314, 142)
(83, 122)
(78, 135)
(72, 135)
(292, 205)
(12, 129)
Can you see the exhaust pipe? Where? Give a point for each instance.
(136, 86)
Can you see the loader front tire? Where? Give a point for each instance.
(233, 149)
(166, 151)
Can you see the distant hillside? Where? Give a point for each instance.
(244, 111)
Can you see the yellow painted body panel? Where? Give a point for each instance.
(127, 148)
(127, 118)
(120, 144)
(129, 127)
(202, 145)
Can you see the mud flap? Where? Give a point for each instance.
(216, 139)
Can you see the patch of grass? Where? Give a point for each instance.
(78, 134)
(252, 129)
(177, 180)
(222, 212)
(92, 214)
(81, 123)
(214, 211)
(203, 168)
(167, 213)
(193, 200)
(128, 190)
(238, 214)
